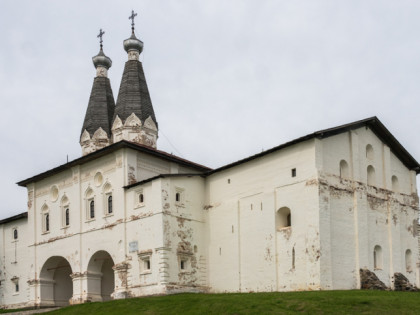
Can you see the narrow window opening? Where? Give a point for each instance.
(261, 206)
(293, 172)
(289, 220)
(17, 286)
(377, 257)
(220, 251)
(92, 209)
(47, 222)
(395, 184)
(183, 264)
(344, 169)
(15, 234)
(110, 204)
(233, 229)
(408, 261)
(141, 198)
(195, 249)
(177, 197)
(251, 206)
(228, 180)
(371, 180)
(67, 217)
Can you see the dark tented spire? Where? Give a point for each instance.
(100, 109)
(96, 131)
(134, 96)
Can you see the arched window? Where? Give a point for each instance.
(283, 218)
(47, 222)
(67, 217)
(369, 152)
(141, 198)
(408, 261)
(377, 257)
(15, 234)
(344, 169)
(110, 204)
(45, 219)
(395, 184)
(92, 209)
(371, 178)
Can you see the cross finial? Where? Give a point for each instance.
(131, 17)
(101, 33)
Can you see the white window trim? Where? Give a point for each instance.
(13, 234)
(63, 216)
(181, 192)
(44, 223)
(145, 256)
(187, 262)
(106, 209)
(137, 203)
(88, 200)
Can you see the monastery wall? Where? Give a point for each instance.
(14, 263)
(368, 210)
(251, 246)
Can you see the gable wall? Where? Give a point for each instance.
(356, 217)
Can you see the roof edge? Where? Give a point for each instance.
(16, 217)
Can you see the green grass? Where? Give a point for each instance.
(320, 302)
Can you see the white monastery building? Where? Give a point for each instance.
(127, 219)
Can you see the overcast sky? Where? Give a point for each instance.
(227, 78)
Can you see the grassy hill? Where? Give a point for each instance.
(323, 302)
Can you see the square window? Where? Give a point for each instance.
(184, 263)
(179, 196)
(145, 263)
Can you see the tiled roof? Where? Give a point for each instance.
(134, 96)
(100, 110)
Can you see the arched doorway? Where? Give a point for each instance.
(56, 285)
(100, 277)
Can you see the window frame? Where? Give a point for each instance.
(15, 234)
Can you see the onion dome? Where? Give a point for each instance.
(100, 60)
(133, 43)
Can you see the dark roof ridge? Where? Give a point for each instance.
(115, 146)
(163, 176)
(373, 122)
(14, 218)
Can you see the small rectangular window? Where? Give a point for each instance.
(293, 172)
(17, 286)
(145, 262)
(179, 196)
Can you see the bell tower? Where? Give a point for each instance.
(134, 118)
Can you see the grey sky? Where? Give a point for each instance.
(227, 78)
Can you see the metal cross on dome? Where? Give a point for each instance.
(101, 33)
(131, 17)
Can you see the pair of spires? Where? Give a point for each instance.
(132, 118)
(133, 46)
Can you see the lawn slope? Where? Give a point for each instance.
(321, 302)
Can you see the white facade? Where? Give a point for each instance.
(301, 216)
